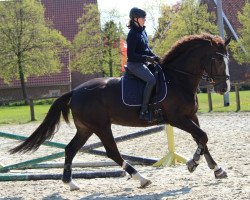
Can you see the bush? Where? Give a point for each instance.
(44, 101)
(245, 87)
(36, 102)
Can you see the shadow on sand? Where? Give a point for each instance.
(101, 196)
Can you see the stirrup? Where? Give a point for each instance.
(145, 115)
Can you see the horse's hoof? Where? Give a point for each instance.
(191, 165)
(73, 186)
(145, 183)
(220, 173)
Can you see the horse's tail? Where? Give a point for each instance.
(48, 127)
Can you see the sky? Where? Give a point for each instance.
(124, 6)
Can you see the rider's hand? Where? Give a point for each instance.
(150, 59)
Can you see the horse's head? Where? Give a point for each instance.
(194, 54)
(216, 67)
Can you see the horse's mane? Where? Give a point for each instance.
(186, 42)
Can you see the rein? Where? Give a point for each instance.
(196, 76)
(205, 77)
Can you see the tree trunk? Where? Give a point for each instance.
(24, 90)
(110, 63)
(23, 84)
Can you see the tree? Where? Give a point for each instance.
(188, 18)
(111, 50)
(153, 8)
(87, 48)
(96, 48)
(243, 56)
(112, 33)
(28, 45)
(166, 19)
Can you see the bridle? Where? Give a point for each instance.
(209, 78)
(212, 76)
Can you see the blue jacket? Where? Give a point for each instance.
(137, 45)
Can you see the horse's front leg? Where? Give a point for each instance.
(194, 162)
(192, 126)
(218, 171)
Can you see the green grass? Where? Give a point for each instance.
(218, 102)
(21, 114)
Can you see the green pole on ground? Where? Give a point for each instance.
(20, 137)
(62, 146)
(32, 162)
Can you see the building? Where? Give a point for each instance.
(64, 15)
(238, 73)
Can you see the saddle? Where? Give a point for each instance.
(133, 88)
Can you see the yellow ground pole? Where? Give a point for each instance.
(172, 157)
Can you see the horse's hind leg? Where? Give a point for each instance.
(112, 152)
(82, 135)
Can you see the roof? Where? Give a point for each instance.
(64, 15)
(230, 8)
(239, 73)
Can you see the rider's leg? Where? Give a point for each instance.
(144, 113)
(141, 71)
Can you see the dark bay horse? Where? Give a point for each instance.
(97, 104)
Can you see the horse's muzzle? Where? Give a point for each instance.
(222, 87)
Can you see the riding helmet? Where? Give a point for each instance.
(137, 13)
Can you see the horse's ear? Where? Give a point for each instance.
(228, 40)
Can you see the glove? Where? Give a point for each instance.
(150, 59)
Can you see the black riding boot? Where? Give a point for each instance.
(144, 113)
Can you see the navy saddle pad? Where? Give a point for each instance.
(133, 88)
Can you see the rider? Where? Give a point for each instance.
(139, 54)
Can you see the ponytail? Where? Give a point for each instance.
(130, 23)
